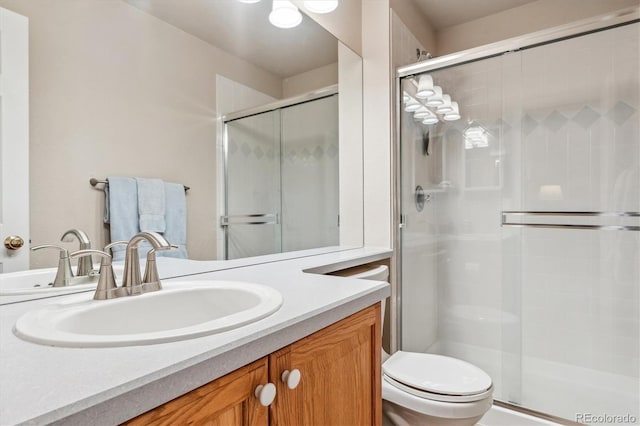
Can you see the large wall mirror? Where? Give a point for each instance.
(140, 88)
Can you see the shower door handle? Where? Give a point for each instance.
(250, 219)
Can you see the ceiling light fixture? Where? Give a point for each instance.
(454, 114)
(321, 6)
(430, 120)
(425, 87)
(412, 105)
(446, 105)
(422, 112)
(249, 1)
(436, 99)
(284, 14)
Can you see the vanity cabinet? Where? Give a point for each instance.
(229, 400)
(340, 383)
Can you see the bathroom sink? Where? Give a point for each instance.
(181, 310)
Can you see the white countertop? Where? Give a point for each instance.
(42, 384)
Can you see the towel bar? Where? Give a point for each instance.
(94, 182)
(622, 214)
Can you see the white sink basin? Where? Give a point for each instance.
(181, 310)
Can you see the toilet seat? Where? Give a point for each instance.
(437, 377)
(437, 396)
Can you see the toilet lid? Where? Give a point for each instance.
(436, 373)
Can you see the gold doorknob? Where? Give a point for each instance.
(13, 242)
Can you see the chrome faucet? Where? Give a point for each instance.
(132, 281)
(85, 263)
(107, 288)
(64, 273)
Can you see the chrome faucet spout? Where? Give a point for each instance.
(106, 288)
(64, 272)
(132, 280)
(85, 263)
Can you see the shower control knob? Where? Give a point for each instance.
(266, 394)
(13, 242)
(291, 378)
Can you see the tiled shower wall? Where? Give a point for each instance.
(310, 175)
(551, 314)
(282, 162)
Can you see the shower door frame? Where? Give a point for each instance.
(259, 219)
(621, 17)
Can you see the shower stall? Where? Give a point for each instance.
(281, 176)
(519, 217)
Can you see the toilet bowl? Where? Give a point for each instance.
(427, 389)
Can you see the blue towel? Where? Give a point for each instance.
(151, 205)
(176, 218)
(122, 211)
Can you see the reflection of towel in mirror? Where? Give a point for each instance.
(176, 219)
(121, 211)
(151, 205)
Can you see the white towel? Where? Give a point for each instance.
(151, 205)
(122, 209)
(176, 218)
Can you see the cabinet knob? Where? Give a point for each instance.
(291, 378)
(266, 394)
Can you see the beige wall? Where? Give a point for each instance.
(412, 17)
(310, 80)
(114, 91)
(522, 20)
(345, 23)
(377, 122)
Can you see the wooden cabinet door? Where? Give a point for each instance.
(227, 401)
(340, 375)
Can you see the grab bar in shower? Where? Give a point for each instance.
(250, 219)
(506, 222)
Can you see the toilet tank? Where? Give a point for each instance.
(379, 273)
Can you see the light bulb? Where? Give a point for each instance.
(446, 105)
(284, 14)
(436, 99)
(412, 105)
(425, 87)
(453, 115)
(321, 6)
(430, 120)
(422, 112)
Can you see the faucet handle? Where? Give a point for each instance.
(108, 247)
(64, 273)
(107, 287)
(151, 279)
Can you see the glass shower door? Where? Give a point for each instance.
(576, 102)
(548, 141)
(310, 194)
(253, 186)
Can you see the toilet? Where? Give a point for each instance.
(428, 389)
